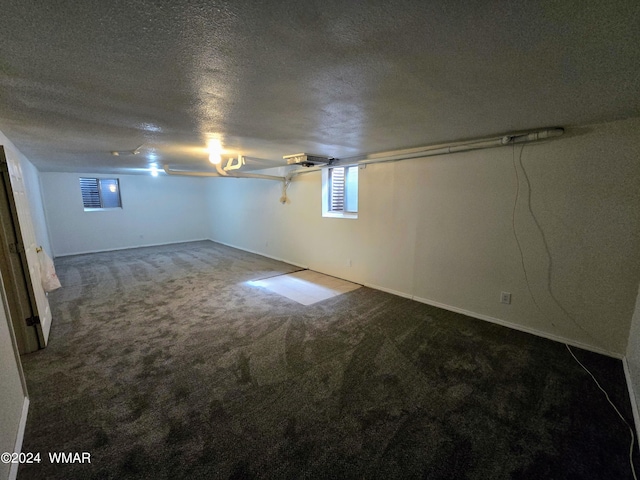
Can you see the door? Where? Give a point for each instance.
(19, 260)
(13, 393)
(14, 277)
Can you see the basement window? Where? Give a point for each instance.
(100, 193)
(340, 192)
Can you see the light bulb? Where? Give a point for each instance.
(214, 147)
(215, 158)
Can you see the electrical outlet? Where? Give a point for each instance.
(505, 297)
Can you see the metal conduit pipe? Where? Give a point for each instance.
(434, 150)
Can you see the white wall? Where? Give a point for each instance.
(633, 359)
(12, 393)
(155, 210)
(440, 230)
(31, 178)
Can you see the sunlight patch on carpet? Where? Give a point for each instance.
(306, 287)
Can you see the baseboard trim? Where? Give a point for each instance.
(84, 252)
(521, 328)
(632, 398)
(389, 290)
(262, 254)
(469, 313)
(13, 471)
(504, 323)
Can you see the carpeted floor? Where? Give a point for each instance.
(164, 363)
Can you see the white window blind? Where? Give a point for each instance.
(98, 193)
(90, 192)
(340, 192)
(337, 184)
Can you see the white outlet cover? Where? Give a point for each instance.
(505, 297)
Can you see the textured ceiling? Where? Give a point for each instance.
(79, 79)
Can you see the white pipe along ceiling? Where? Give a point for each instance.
(442, 149)
(230, 170)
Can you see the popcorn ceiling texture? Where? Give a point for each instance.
(81, 78)
(164, 364)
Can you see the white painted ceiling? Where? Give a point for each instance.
(81, 78)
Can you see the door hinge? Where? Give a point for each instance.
(31, 321)
(16, 247)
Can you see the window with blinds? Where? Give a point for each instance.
(337, 184)
(340, 192)
(100, 193)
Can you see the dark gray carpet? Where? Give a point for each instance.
(164, 364)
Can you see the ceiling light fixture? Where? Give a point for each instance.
(214, 147)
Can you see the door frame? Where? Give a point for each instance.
(23, 277)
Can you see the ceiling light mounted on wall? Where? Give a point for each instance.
(119, 153)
